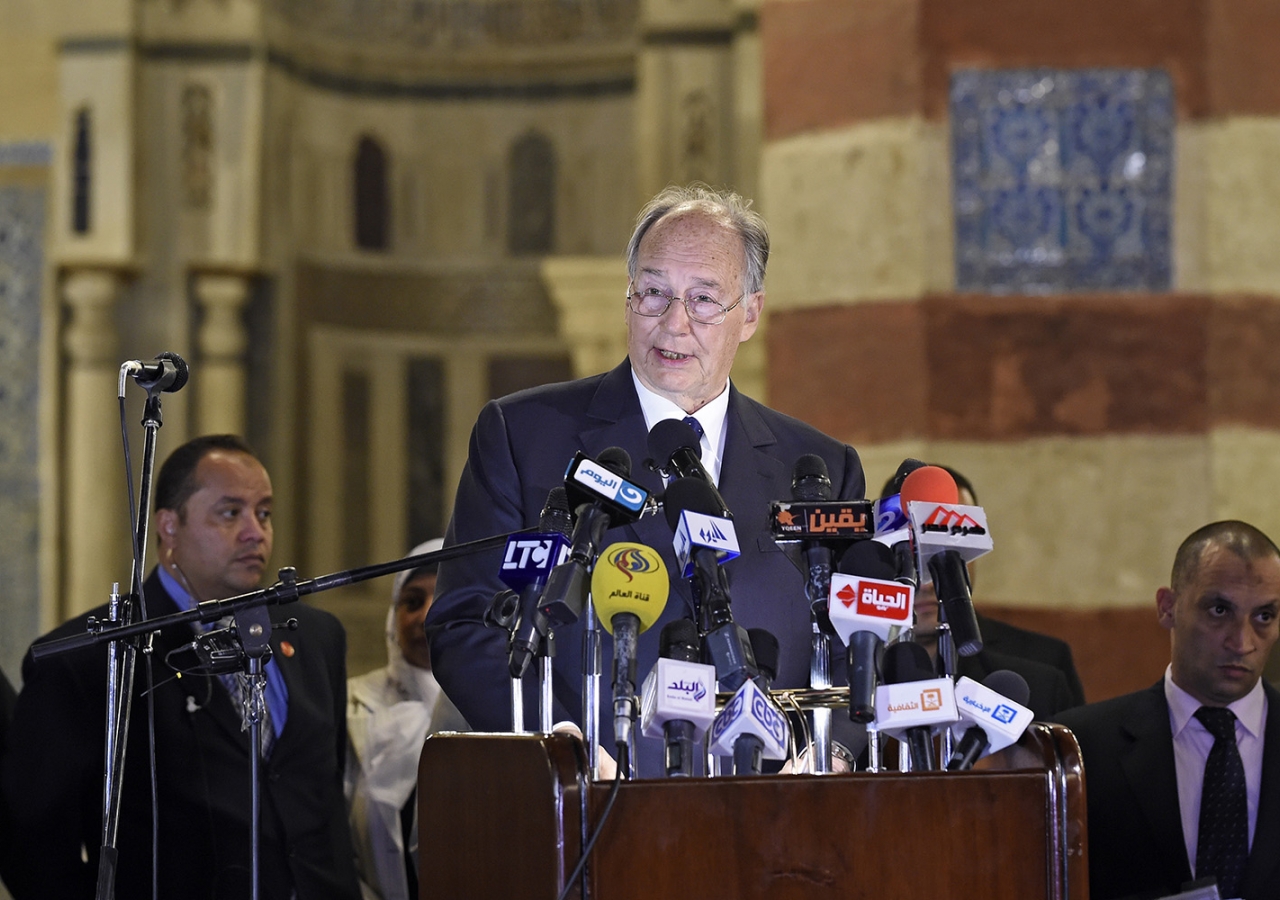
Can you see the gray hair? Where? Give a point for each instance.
(726, 207)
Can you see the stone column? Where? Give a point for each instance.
(588, 293)
(219, 375)
(97, 530)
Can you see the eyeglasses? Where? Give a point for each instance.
(704, 309)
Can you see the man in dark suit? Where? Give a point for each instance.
(696, 263)
(1153, 766)
(213, 522)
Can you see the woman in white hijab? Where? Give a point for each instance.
(390, 712)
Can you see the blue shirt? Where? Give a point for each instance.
(277, 692)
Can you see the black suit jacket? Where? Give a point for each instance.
(1136, 846)
(1049, 691)
(520, 447)
(1010, 640)
(53, 774)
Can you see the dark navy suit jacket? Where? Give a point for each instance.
(53, 774)
(519, 450)
(1136, 847)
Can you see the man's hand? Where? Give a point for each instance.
(607, 766)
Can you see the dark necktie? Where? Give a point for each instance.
(695, 425)
(1223, 843)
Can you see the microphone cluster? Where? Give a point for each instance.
(862, 564)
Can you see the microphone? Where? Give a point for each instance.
(168, 372)
(678, 700)
(996, 712)
(947, 535)
(602, 497)
(629, 587)
(528, 563)
(893, 528)
(912, 701)
(867, 608)
(750, 726)
(700, 538)
(676, 452)
(811, 482)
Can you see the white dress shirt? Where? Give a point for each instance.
(1192, 743)
(711, 417)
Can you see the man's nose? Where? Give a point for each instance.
(676, 318)
(253, 529)
(1241, 638)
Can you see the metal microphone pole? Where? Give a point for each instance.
(122, 659)
(544, 680)
(591, 669)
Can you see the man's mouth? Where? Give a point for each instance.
(671, 355)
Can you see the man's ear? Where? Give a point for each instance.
(1166, 600)
(166, 525)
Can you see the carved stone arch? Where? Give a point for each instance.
(81, 171)
(372, 197)
(531, 211)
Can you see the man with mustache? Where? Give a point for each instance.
(213, 524)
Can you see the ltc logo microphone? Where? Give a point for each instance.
(530, 557)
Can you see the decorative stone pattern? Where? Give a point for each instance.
(21, 263)
(461, 25)
(1062, 179)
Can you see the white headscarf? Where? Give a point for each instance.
(411, 682)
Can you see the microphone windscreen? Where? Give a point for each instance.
(616, 460)
(931, 484)
(629, 578)
(1009, 684)
(907, 661)
(810, 481)
(689, 493)
(556, 517)
(180, 364)
(869, 559)
(679, 640)
(671, 435)
(766, 650)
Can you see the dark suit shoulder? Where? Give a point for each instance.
(1014, 641)
(1107, 717)
(1018, 641)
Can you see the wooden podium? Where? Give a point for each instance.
(504, 817)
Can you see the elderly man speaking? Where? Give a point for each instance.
(696, 264)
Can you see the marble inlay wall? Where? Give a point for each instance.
(22, 216)
(1062, 179)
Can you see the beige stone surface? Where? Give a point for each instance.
(847, 214)
(104, 84)
(1245, 464)
(1078, 523)
(448, 172)
(201, 20)
(29, 99)
(1242, 232)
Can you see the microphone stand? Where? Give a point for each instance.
(591, 671)
(947, 658)
(546, 657)
(252, 623)
(820, 679)
(122, 657)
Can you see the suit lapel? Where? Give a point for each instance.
(1149, 768)
(749, 476)
(1261, 870)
